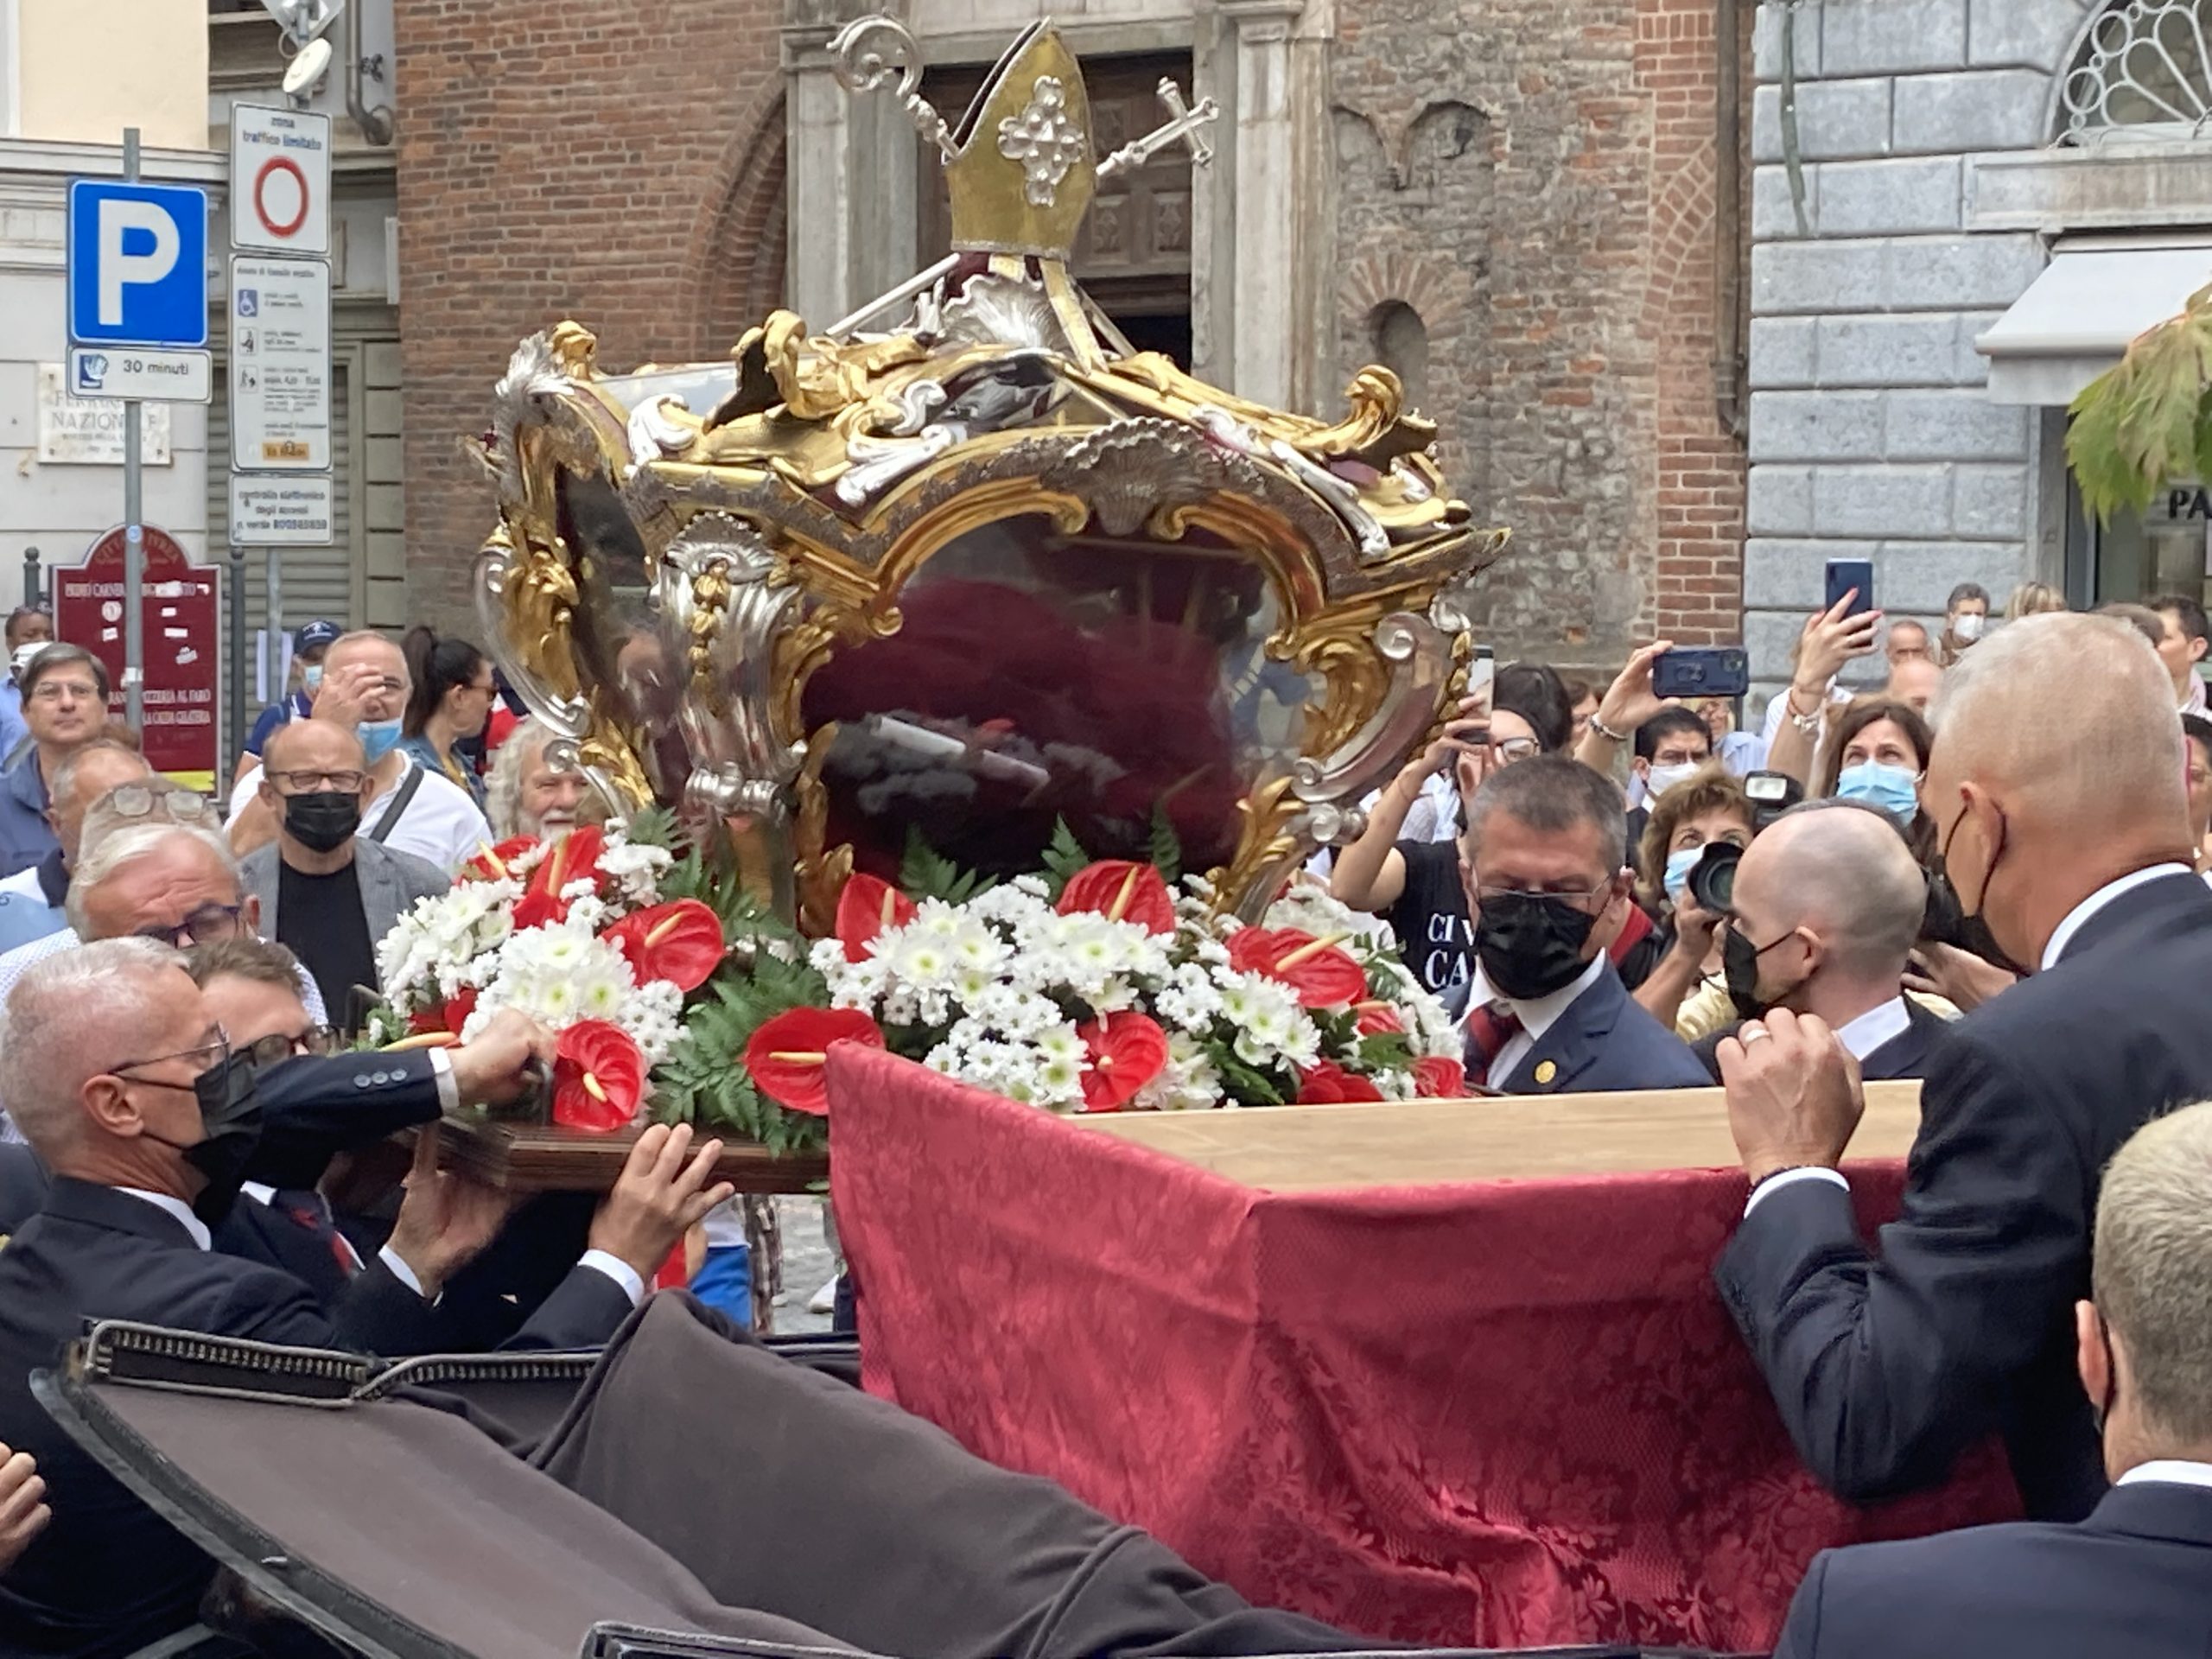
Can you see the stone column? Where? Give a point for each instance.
(818, 269)
(1260, 277)
(850, 178)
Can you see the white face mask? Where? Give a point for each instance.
(1967, 627)
(1660, 779)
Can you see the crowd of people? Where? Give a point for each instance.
(1853, 726)
(1973, 854)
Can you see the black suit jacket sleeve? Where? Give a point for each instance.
(314, 1107)
(585, 1309)
(1885, 1368)
(1801, 1631)
(379, 1313)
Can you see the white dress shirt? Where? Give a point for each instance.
(2063, 935)
(201, 1238)
(1537, 1017)
(615, 1268)
(1860, 1036)
(2170, 1471)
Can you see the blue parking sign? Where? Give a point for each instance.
(137, 264)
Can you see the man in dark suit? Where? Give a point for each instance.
(1827, 905)
(1544, 858)
(251, 987)
(2056, 783)
(2136, 1576)
(125, 1090)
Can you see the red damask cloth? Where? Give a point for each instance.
(1502, 1413)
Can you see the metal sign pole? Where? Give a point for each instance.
(134, 531)
(236, 604)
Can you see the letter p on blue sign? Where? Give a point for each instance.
(137, 265)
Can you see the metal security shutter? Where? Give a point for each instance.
(316, 581)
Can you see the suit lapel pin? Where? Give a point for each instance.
(1546, 1069)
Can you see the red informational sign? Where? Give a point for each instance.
(181, 643)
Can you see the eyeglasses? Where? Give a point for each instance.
(139, 801)
(1516, 748)
(307, 783)
(208, 923)
(54, 691)
(1485, 895)
(215, 1052)
(278, 1046)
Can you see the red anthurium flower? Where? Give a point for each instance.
(599, 1077)
(1376, 1018)
(449, 1016)
(1122, 892)
(491, 863)
(681, 943)
(1127, 1051)
(1323, 976)
(789, 1055)
(1326, 1083)
(1437, 1078)
(572, 858)
(869, 905)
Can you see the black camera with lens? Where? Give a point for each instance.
(1713, 878)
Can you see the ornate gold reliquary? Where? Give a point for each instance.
(965, 563)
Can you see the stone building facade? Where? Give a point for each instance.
(1513, 202)
(1971, 186)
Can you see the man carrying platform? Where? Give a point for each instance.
(2056, 783)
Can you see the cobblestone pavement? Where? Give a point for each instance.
(809, 1264)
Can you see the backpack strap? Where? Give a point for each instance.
(390, 821)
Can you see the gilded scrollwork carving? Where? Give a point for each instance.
(784, 526)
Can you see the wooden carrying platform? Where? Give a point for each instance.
(547, 1158)
(1295, 1149)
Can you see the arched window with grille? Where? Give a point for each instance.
(2143, 74)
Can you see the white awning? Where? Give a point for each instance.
(2077, 318)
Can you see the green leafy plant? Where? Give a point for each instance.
(2148, 420)
(925, 873)
(1063, 858)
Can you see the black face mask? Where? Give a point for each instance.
(323, 819)
(1969, 933)
(1530, 943)
(2100, 1410)
(230, 1121)
(1739, 969)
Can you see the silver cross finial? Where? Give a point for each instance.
(1185, 126)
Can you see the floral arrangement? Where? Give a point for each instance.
(1091, 986)
(1097, 987)
(602, 934)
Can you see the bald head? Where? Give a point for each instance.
(1916, 680)
(1843, 872)
(2069, 721)
(306, 744)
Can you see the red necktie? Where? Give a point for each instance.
(1489, 1029)
(306, 1209)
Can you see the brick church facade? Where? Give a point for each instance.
(1531, 211)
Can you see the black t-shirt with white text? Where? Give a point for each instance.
(1430, 918)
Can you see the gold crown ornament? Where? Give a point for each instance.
(966, 565)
